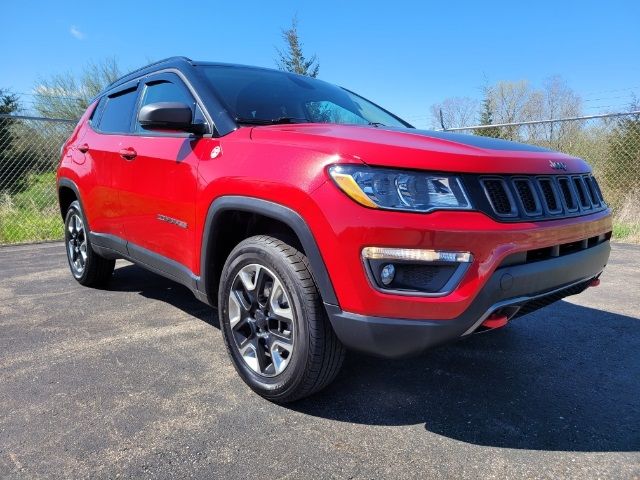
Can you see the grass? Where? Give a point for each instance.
(626, 232)
(23, 226)
(31, 215)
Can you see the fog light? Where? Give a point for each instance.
(415, 255)
(414, 271)
(387, 274)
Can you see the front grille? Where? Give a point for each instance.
(529, 197)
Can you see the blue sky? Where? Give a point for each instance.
(403, 55)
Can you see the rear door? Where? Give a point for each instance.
(158, 184)
(110, 128)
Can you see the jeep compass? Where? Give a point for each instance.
(316, 221)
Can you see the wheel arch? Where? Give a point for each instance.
(220, 210)
(68, 192)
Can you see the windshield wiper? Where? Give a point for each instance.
(377, 124)
(271, 121)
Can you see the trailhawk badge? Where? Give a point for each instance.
(557, 165)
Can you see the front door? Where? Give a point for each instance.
(159, 181)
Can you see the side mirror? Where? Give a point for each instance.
(169, 116)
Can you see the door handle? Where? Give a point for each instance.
(84, 148)
(128, 153)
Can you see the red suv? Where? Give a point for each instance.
(315, 220)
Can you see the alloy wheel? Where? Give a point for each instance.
(261, 320)
(76, 244)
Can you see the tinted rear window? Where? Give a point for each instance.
(117, 112)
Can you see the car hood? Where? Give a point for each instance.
(421, 149)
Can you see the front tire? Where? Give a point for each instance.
(273, 321)
(87, 267)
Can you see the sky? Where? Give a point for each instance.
(404, 55)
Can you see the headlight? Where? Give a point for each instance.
(400, 189)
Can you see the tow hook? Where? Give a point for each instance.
(495, 320)
(594, 282)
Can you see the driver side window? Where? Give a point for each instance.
(167, 91)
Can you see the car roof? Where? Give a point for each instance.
(177, 62)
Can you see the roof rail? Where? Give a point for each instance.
(164, 60)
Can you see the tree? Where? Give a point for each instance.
(510, 103)
(292, 59)
(486, 116)
(10, 164)
(555, 100)
(66, 96)
(456, 112)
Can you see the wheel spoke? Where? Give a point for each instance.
(238, 306)
(83, 252)
(279, 358)
(263, 363)
(248, 276)
(263, 289)
(279, 305)
(241, 324)
(250, 355)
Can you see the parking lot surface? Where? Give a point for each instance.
(134, 381)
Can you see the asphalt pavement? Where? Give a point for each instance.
(134, 381)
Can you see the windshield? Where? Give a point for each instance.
(260, 96)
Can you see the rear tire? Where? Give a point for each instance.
(87, 267)
(274, 323)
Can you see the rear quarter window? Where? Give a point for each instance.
(97, 111)
(117, 112)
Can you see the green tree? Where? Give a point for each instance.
(486, 117)
(292, 59)
(10, 165)
(67, 96)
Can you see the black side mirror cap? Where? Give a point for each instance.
(170, 116)
(198, 127)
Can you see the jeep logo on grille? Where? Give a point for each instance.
(557, 165)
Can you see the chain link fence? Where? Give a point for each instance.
(610, 143)
(30, 150)
(29, 155)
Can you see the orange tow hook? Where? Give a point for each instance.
(495, 321)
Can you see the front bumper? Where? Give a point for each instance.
(343, 228)
(513, 288)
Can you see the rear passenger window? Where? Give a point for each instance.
(116, 116)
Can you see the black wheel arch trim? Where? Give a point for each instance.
(68, 183)
(268, 209)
